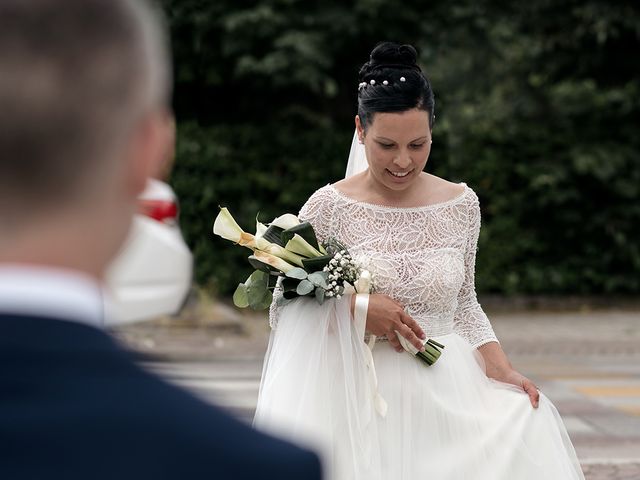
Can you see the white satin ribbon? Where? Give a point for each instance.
(360, 318)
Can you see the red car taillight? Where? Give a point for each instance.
(160, 210)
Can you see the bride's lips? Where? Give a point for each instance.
(401, 179)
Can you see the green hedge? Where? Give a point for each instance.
(538, 108)
(566, 223)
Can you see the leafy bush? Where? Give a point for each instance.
(538, 108)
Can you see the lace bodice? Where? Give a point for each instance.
(424, 257)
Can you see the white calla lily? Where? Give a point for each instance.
(260, 229)
(300, 246)
(280, 252)
(274, 261)
(286, 221)
(226, 227)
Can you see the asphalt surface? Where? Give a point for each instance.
(587, 362)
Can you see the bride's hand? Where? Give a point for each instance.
(499, 368)
(516, 378)
(385, 316)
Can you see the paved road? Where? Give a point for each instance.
(587, 363)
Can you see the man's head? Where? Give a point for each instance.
(84, 88)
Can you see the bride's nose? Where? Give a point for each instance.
(403, 160)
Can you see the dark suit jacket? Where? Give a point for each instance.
(73, 405)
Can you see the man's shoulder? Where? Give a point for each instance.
(206, 433)
(107, 399)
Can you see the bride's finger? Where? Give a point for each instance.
(413, 325)
(532, 391)
(395, 343)
(407, 333)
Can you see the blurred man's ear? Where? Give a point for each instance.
(151, 146)
(166, 164)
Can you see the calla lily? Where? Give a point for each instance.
(278, 251)
(226, 227)
(300, 246)
(272, 260)
(286, 221)
(260, 229)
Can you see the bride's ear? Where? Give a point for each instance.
(359, 129)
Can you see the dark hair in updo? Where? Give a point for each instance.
(390, 61)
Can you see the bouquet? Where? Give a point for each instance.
(287, 252)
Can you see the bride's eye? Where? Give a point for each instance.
(386, 145)
(417, 146)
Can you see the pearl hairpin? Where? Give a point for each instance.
(385, 82)
(372, 82)
(402, 79)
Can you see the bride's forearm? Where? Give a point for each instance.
(496, 360)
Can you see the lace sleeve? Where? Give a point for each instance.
(317, 211)
(470, 321)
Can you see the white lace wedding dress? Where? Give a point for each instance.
(447, 421)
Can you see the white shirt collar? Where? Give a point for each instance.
(51, 292)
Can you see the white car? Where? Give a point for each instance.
(152, 274)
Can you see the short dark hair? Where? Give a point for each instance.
(75, 77)
(392, 81)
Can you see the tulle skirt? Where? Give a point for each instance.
(447, 421)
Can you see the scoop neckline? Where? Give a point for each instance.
(404, 209)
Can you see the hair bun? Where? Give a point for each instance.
(389, 53)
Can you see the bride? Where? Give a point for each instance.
(374, 411)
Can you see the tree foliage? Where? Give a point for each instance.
(537, 106)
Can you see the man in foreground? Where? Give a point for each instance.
(84, 88)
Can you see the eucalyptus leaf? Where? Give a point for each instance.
(305, 287)
(264, 303)
(257, 286)
(319, 279)
(258, 278)
(256, 293)
(298, 273)
(240, 298)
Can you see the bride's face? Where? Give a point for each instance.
(397, 146)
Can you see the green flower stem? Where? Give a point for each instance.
(431, 353)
